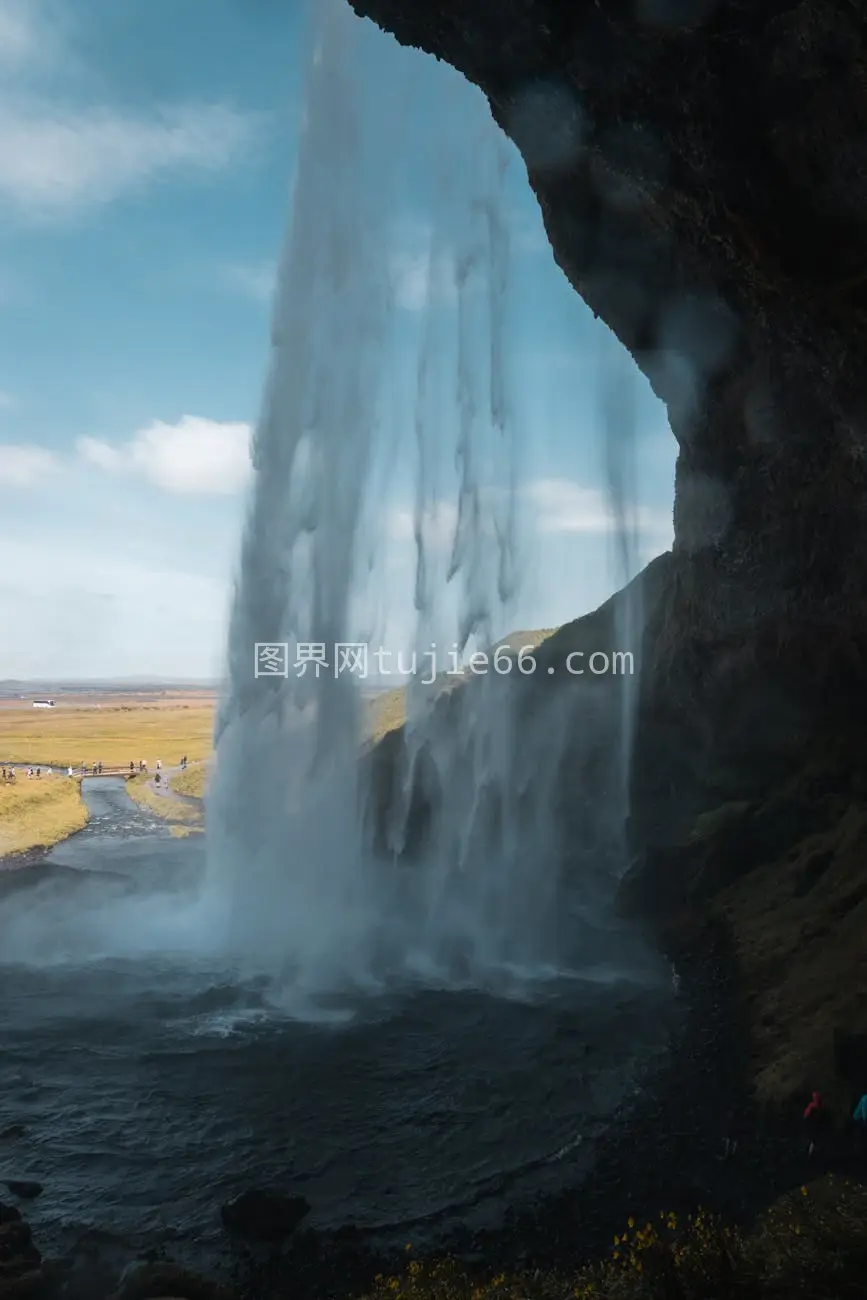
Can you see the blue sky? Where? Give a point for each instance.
(147, 155)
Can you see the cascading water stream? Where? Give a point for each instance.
(618, 423)
(169, 1001)
(305, 894)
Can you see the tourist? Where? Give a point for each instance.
(860, 1118)
(131, 767)
(69, 770)
(815, 1120)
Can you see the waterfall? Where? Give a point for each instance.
(617, 417)
(316, 887)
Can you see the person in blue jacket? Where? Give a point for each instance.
(859, 1115)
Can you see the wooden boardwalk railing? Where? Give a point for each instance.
(108, 771)
(88, 772)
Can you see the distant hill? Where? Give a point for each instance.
(102, 685)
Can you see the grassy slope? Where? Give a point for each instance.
(799, 919)
(39, 812)
(786, 874)
(171, 810)
(193, 782)
(387, 712)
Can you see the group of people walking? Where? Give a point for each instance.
(818, 1123)
(8, 774)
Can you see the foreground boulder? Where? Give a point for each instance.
(22, 1275)
(164, 1281)
(263, 1214)
(23, 1188)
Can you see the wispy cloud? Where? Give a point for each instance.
(60, 156)
(554, 507)
(22, 466)
(422, 275)
(55, 162)
(419, 279)
(22, 32)
(193, 456)
(256, 280)
(98, 613)
(439, 523)
(564, 506)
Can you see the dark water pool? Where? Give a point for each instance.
(152, 1084)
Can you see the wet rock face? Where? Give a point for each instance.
(701, 167)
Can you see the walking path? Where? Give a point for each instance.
(165, 791)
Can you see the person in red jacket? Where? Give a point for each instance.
(815, 1118)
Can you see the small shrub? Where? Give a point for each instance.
(810, 1245)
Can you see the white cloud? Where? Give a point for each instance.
(22, 466)
(102, 614)
(194, 455)
(58, 157)
(557, 506)
(438, 524)
(20, 31)
(418, 279)
(256, 280)
(53, 163)
(100, 453)
(564, 506)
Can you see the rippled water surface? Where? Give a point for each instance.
(154, 1085)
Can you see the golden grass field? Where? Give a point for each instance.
(115, 729)
(119, 731)
(110, 729)
(39, 812)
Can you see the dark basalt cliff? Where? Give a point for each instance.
(702, 172)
